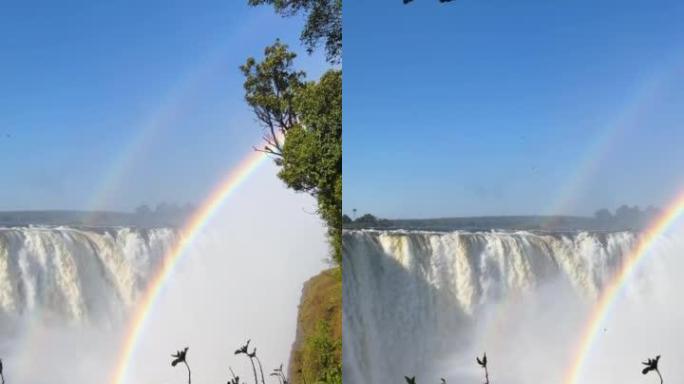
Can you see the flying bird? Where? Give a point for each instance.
(410, 380)
(179, 357)
(651, 365)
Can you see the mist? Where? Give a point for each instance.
(241, 278)
(535, 338)
(522, 298)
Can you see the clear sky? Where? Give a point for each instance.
(512, 107)
(108, 105)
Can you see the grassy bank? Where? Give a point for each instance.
(316, 355)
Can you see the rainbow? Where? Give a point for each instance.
(147, 131)
(635, 109)
(610, 293)
(193, 226)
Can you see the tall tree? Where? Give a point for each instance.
(270, 89)
(303, 129)
(323, 22)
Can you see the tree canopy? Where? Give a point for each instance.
(303, 125)
(323, 22)
(270, 89)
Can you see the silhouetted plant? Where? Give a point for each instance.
(483, 364)
(234, 379)
(2, 376)
(243, 350)
(412, 380)
(254, 356)
(652, 365)
(180, 357)
(278, 372)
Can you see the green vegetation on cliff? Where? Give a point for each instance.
(316, 356)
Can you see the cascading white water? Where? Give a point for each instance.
(425, 303)
(72, 275)
(69, 295)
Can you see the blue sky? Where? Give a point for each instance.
(110, 105)
(512, 107)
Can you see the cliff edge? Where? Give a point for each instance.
(316, 355)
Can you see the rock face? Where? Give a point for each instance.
(319, 322)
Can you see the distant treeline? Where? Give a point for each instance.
(626, 217)
(623, 218)
(166, 214)
(162, 215)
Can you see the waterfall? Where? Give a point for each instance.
(422, 303)
(76, 275)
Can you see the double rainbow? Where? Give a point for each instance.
(193, 226)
